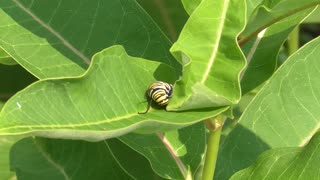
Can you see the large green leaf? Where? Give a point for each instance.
(212, 60)
(48, 37)
(273, 11)
(174, 154)
(102, 103)
(262, 55)
(285, 113)
(61, 159)
(314, 17)
(286, 163)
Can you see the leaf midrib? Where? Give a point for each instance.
(76, 125)
(215, 49)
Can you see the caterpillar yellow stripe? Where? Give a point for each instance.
(159, 92)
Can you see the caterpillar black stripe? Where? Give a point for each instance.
(159, 92)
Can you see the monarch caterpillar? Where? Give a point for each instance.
(159, 92)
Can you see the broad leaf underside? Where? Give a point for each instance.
(285, 113)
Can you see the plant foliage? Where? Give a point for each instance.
(74, 76)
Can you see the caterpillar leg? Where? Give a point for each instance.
(149, 105)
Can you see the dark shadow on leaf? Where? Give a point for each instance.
(13, 79)
(130, 160)
(166, 74)
(33, 158)
(24, 20)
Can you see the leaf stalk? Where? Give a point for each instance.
(293, 41)
(215, 127)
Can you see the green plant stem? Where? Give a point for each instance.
(293, 41)
(215, 127)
